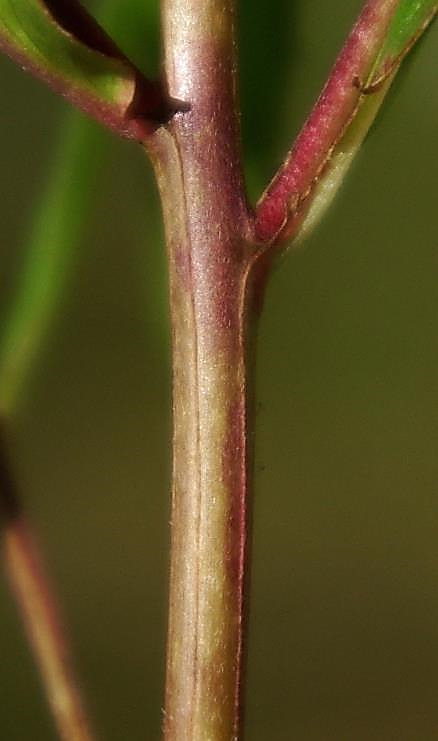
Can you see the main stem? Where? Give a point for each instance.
(207, 230)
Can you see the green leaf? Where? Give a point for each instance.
(52, 252)
(410, 20)
(53, 248)
(60, 42)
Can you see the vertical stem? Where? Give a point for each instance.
(206, 220)
(209, 491)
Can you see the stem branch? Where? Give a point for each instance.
(279, 209)
(40, 613)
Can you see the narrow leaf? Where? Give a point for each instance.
(51, 254)
(61, 43)
(410, 20)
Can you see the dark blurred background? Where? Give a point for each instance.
(344, 621)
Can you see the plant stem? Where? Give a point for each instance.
(50, 256)
(40, 613)
(365, 66)
(197, 161)
(30, 586)
(210, 389)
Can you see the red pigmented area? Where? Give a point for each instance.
(234, 473)
(111, 116)
(236, 482)
(226, 288)
(325, 125)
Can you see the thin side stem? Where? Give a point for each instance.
(334, 110)
(45, 632)
(54, 236)
(49, 259)
(40, 613)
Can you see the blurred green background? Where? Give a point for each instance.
(344, 620)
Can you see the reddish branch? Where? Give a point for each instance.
(150, 105)
(280, 208)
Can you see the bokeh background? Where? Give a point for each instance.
(344, 621)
